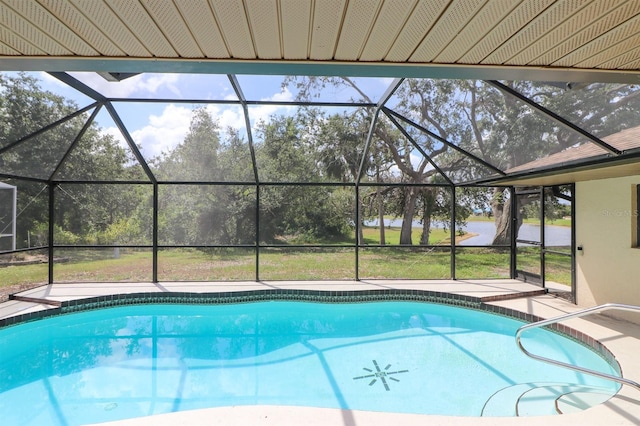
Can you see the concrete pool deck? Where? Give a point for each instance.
(622, 338)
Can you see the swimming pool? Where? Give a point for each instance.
(394, 356)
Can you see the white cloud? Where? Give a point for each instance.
(227, 116)
(263, 112)
(151, 83)
(115, 133)
(161, 133)
(233, 116)
(165, 131)
(141, 85)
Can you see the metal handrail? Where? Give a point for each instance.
(588, 311)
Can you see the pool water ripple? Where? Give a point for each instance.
(406, 357)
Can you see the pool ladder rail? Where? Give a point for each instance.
(578, 314)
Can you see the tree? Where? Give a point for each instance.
(196, 158)
(287, 154)
(24, 109)
(389, 142)
(52, 156)
(193, 214)
(90, 209)
(338, 141)
(492, 126)
(236, 165)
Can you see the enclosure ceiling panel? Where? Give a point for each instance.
(112, 28)
(487, 18)
(327, 21)
(143, 27)
(170, 22)
(77, 23)
(34, 13)
(552, 46)
(29, 33)
(614, 26)
(587, 50)
(202, 25)
(16, 45)
(452, 21)
(358, 21)
(422, 19)
(386, 28)
(295, 21)
(234, 26)
(514, 22)
(609, 59)
(4, 49)
(529, 37)
(263, 18)
(520, 43)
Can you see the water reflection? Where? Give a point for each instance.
(140, 360)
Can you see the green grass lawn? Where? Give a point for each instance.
(288, 263)
(437, 236)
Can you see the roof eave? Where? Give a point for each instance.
(315, 68)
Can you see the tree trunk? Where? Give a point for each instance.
(380, 215)
(501, 210)
(426, 228)
(407, 219)
(360, 224)
(426, 218)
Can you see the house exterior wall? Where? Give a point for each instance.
(608, 267)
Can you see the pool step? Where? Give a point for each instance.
(539, 399)
(578, 401)
(503, 402)
(543, 400)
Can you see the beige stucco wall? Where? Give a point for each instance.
(608, 269)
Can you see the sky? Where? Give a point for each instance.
(159, 127)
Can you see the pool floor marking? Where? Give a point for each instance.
(380, 374)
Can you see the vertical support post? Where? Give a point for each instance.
(637, 209)
(155, 233)
(453, 232)
(357, 239)
(257, 232)
(14, 219)
(574, 294)
(513, 230)
(542, 241)
(52, 189)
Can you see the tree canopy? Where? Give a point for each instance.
(430, 137)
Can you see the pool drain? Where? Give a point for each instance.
(380, 374)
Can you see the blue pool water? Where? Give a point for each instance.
(409, 357)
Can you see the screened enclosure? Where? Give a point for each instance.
(181, 177)
(8, 201)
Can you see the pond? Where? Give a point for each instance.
(554, 235)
